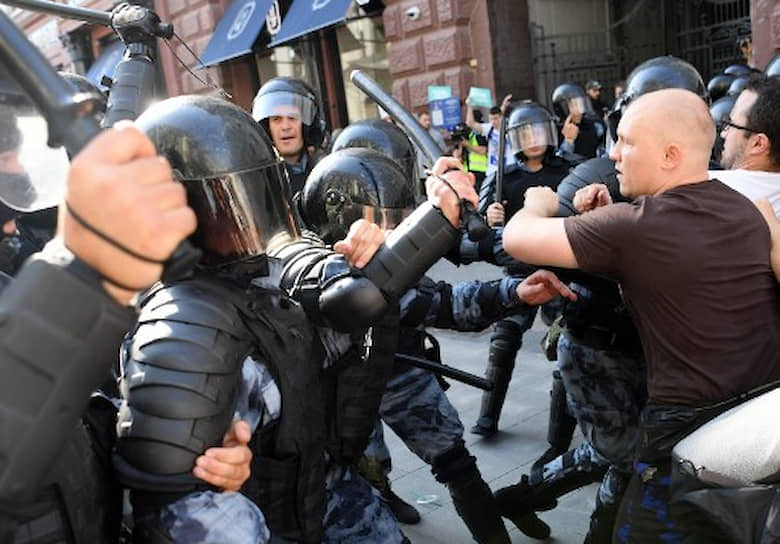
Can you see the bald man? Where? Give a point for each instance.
(692, 259)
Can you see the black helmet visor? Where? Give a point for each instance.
(242, 214)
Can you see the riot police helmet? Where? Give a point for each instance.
(665, 72)
(570, 98)
(83, 85)
(290, 97)
(351, 184)
(718, 86)
(773, 68)
(737, 70)
(721, 108)
(380, 136)
(531, 125)
(738, 85)
(235, 180)
(596, 170)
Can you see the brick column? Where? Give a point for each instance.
(434, 49)
(460, 43)
(765, 28)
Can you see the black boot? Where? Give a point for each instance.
(560, 427)
(515, 502)
(473, 500)
(476, 506)
(402, 510)
(504, 344)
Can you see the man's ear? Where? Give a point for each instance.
(759, 144)
(672, 156)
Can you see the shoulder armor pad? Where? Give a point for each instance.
(195, 302)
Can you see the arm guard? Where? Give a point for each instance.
(59, 334)
(181, 368)
(346, 299)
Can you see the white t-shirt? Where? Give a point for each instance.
(487, 130)
(753, 184)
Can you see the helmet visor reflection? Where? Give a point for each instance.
(241, 215)
(579, 105)
(284, 104)
(532, 135)
(385, 218)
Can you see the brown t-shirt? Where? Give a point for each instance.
(694, 267)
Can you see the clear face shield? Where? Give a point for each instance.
(579, 106)
(284, 104)
(32, 175)
(531, 136)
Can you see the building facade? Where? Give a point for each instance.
(525, 47)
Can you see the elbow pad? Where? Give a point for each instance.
(331, 292)
(335, 295)
(59, 335)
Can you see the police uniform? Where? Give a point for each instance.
(416, 407)
(296, 490)
(508, 333)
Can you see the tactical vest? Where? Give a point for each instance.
(354, 389)
(477, 162)
(288, 463)
(221, 323)
(80, 503)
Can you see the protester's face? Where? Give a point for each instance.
(735, 141)
(425, 121)
(619, 91)
(495, 120)
(595, 94)
(637, 154)
(287, 133)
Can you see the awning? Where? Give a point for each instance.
(105, 64)
(306, 16)
(237, 31)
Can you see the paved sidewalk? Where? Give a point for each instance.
(503, 458)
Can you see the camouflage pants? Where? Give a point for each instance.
(606, 393)
(210, 517)
(355, 513)
(419, 412)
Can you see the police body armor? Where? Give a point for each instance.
(182, 374)
(354, 389)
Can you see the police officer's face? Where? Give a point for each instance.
(287, 133)
(536, 152)
(9, 162)
(735, 141)
(637, 154)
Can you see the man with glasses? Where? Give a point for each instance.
(751, 148)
